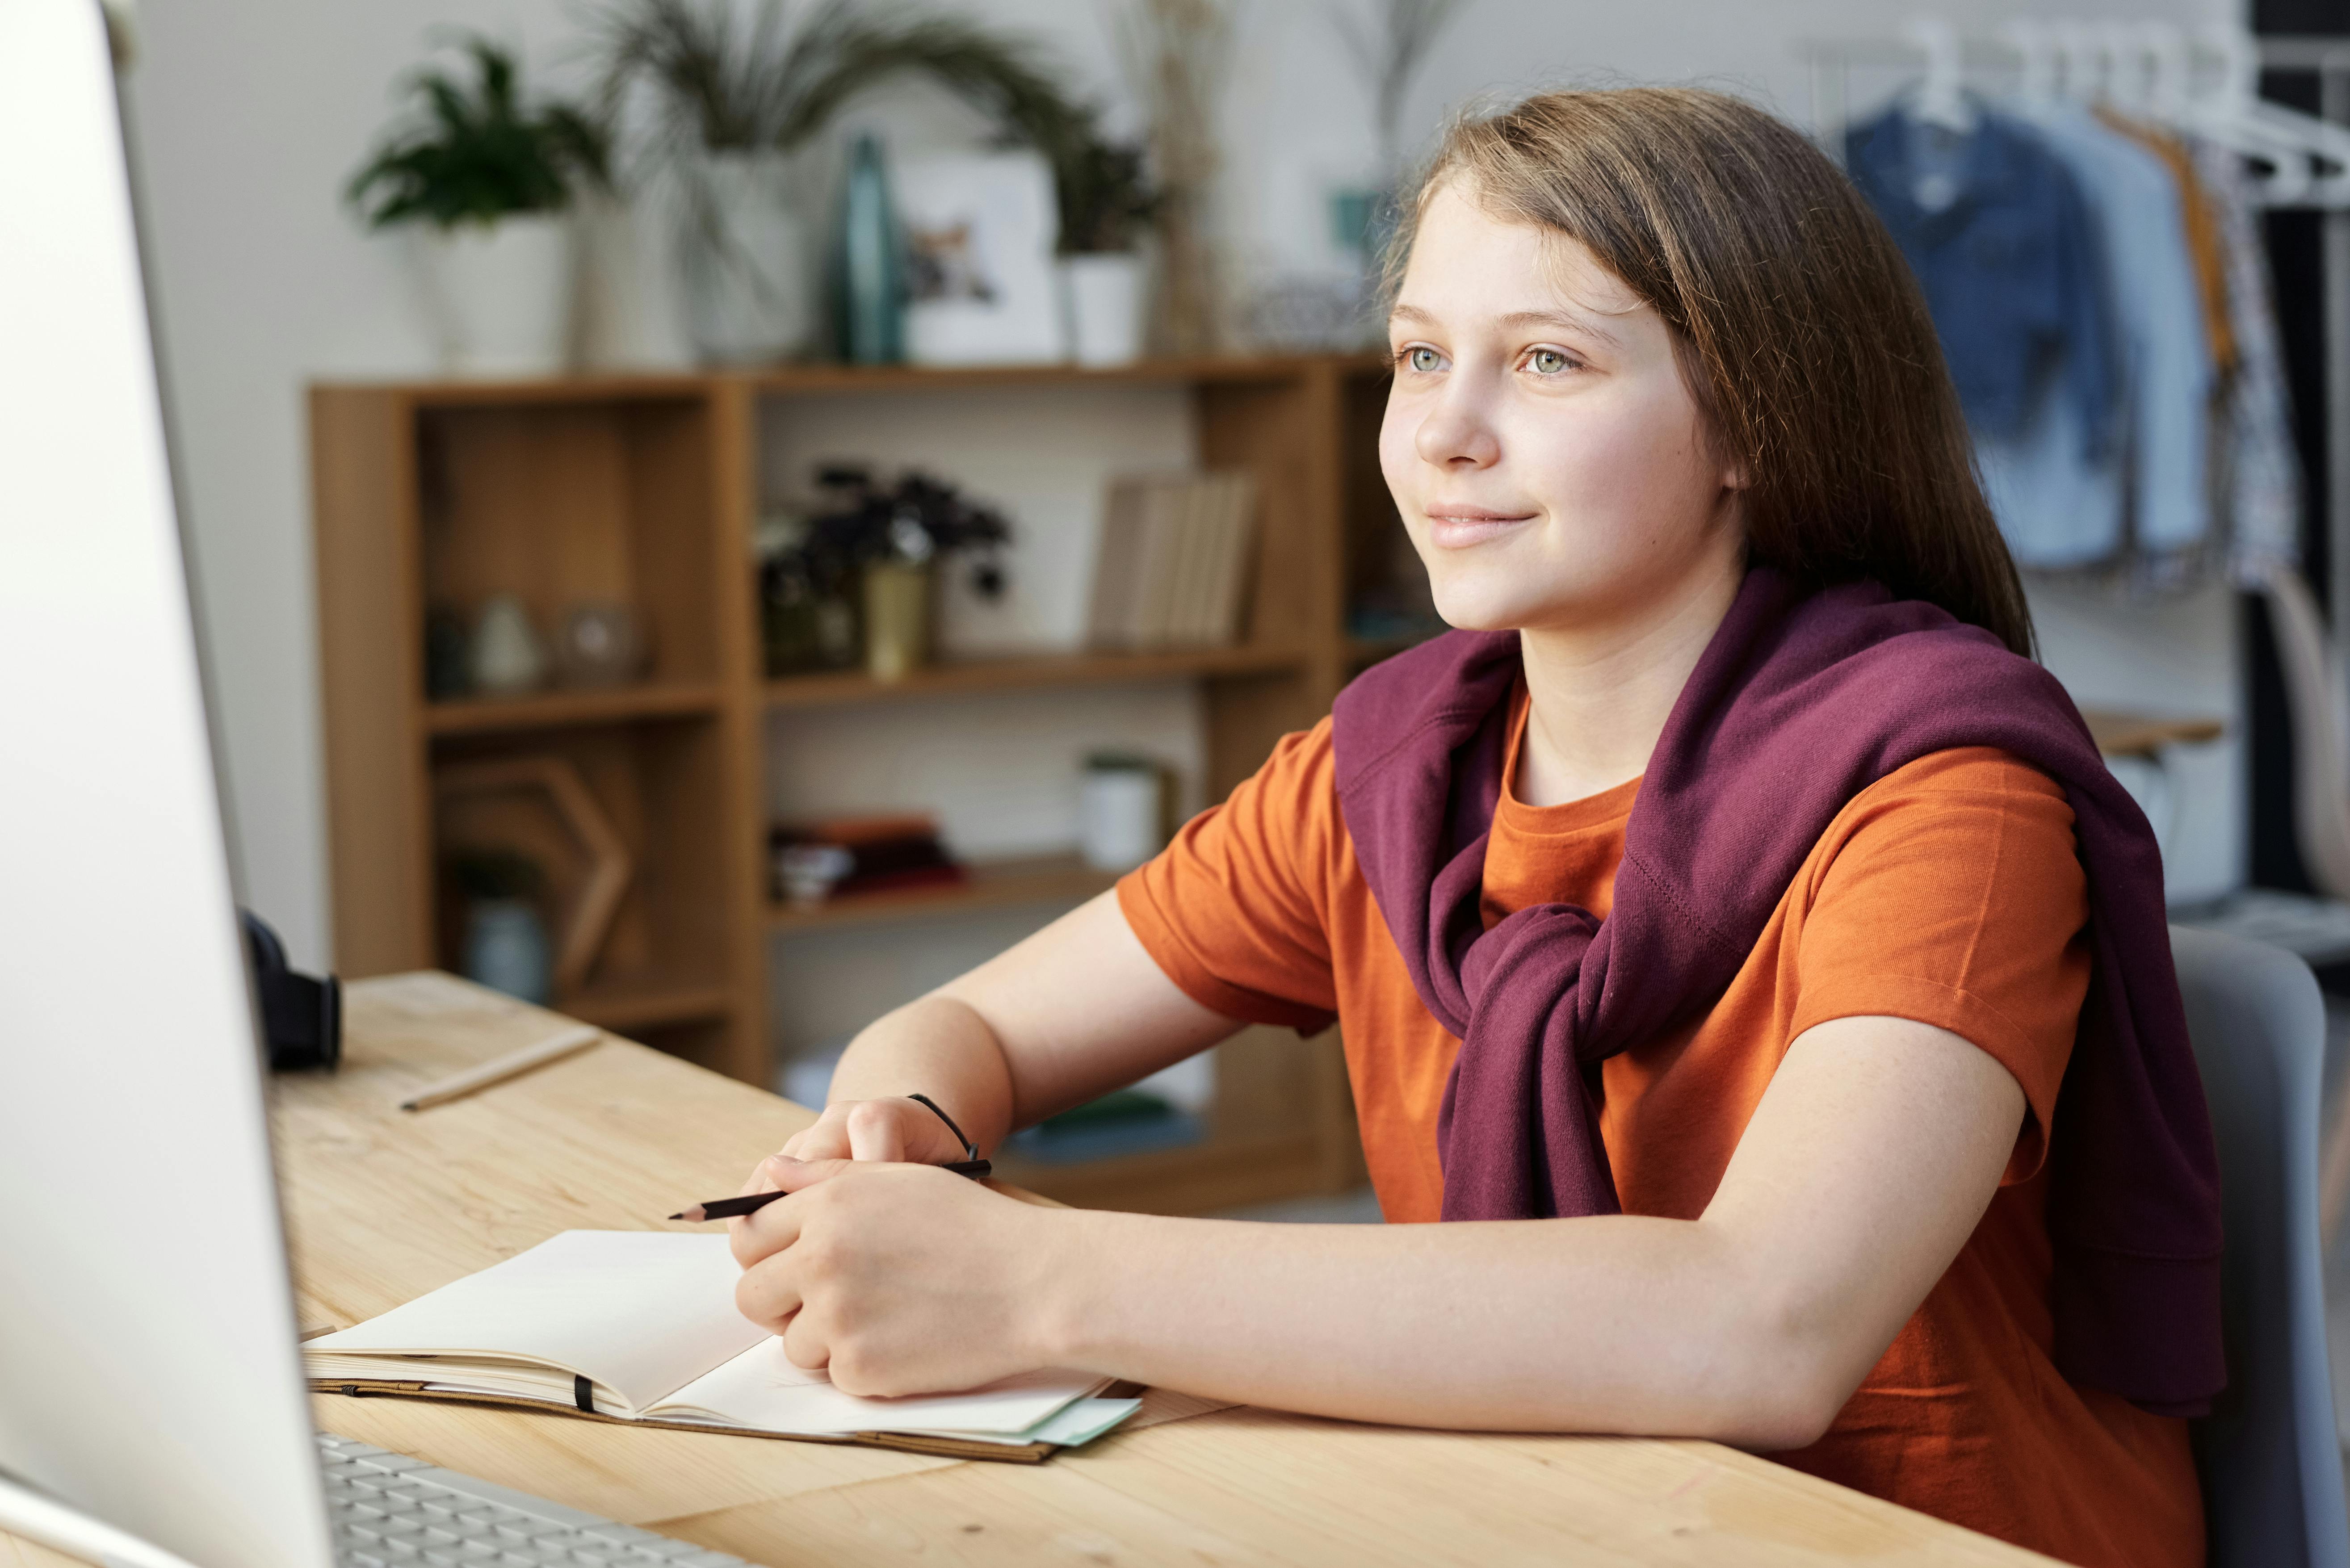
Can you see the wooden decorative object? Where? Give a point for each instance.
(609, 865)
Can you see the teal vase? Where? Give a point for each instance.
(869, 263)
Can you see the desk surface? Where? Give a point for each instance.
(385, 1204)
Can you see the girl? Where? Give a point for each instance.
(1732, 932)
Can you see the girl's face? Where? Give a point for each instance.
(1546, 453)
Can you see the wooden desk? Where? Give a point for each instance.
(2145, 735)
(385, 1204)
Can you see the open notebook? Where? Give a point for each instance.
(640, 1325)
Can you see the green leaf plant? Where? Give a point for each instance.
(477, 153)
(723, 85)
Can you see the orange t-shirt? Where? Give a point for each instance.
(1948, 892)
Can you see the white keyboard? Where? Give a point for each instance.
(388, 1509)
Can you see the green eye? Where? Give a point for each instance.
(1547, 361)
(1423, 360)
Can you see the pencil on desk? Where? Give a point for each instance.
(497, 1069)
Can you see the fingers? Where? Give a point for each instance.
(876, 1130)
(828, 1140)
(804, 1344)
(753, 1238)
(769, 1295)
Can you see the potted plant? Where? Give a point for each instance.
(730, 99)
(888, 542)
(1107, 201)
(486, 181)
(734, 96)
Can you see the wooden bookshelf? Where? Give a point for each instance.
(643, 489)
(976, 676)
(994, 885)
(556, 710)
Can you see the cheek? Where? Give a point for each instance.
(1398, 458)
(1631, 468)
(1401, 466)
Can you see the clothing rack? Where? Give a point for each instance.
(2001, 63)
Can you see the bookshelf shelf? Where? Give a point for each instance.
(1042, 671)
(643, 489)
(558, 710)
(994, 885)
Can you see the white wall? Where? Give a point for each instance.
(248, 114)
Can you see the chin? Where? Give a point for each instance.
(1475, 602)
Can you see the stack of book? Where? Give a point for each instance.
(814, 861)
(1173, 567)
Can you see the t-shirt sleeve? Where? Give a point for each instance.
(1955, 897)
(1233, 911)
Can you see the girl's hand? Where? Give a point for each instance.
(901, 1279)
(892, 1129)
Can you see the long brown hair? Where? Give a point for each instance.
(1800, 331)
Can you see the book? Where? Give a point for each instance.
(1166, 513)
(811, 862)
(1118, 564)
(1195, 565)
(640, 1326)
(1228, 583)
(1172, 565)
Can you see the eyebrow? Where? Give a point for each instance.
(1573, 321)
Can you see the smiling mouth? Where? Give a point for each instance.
(1460, 527)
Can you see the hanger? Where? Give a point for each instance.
(2170, 70)
(2129, 69)
(2081, 60)
(2043, 68)
(1940, 98)
(2291, 144)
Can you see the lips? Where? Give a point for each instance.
(1458, 527)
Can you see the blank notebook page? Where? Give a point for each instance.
(642, 1313)
(764, 1389)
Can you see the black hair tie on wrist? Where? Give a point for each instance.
(970, 1165)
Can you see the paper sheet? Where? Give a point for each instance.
(1072, 1426)
(762, 1388)
(640, 1312)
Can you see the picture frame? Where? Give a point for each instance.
(980, 229)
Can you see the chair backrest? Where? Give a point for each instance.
(2321, 730)
(2270, 1456)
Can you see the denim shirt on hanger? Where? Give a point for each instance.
(1992, 224)
(2165, 354)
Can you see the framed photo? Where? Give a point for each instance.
(980, 283)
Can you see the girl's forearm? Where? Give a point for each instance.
(936, 1046)
(1616, 1325)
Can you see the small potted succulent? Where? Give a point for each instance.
(1106, 203)
(878, 549)
(486, 181)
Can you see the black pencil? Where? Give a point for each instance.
(727, 1208)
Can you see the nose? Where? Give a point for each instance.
(1456, 432)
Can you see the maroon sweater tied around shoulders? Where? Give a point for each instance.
(1803, 700)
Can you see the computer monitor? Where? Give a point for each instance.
(151, 1407)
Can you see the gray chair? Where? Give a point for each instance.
(2269, 1454)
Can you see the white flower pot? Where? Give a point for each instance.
(743, 261)
(1120, 812)
(1104, 297)
(499, 294)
